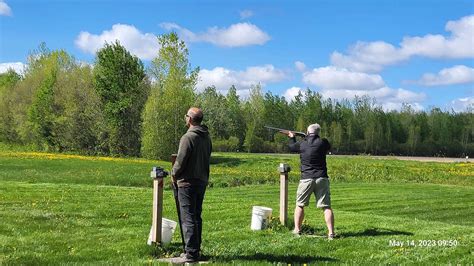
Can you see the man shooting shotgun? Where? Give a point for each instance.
(314, 176)
(286, 131)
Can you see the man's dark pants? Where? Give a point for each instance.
(190, 201)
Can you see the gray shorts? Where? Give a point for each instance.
(320, 188)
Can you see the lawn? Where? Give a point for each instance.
(59, 209)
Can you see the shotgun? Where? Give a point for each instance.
(286, 131)
(176, 200)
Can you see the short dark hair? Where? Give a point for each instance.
(197, 118)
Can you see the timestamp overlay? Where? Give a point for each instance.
(423, 243)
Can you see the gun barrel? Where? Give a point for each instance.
(298, 133)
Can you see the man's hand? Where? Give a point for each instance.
(290, 134)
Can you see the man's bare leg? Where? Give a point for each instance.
(299, 216)
(329, 218)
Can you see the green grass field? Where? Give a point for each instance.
(58, 209)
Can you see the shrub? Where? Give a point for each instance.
(226, 145)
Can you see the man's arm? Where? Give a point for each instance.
(293, 145)
(184, 152)
(327, 144)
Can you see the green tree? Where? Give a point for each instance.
(297, 106)
(215, 105)
(121, 83)
(254, 110)
(234, 112)
(312, 111)
(44, 111)
(80, 125)
(170, 98)
(336, 136)
(8, 81)
(20, 97)
(413, 140)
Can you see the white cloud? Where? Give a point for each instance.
(334, 78)
(463, 104)
(448, 76)
(224, 78)
(300, 66)
(143, 45)
(236, 35)
(389, 98)
(368, 57)
(459, 45)
(374, 56)
(18, 67)
(397, 106)
(5, 10)
(291, 93)
(340, 83)
(244, 14)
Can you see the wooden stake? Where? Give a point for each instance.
(284, 169)
(157, 210)
(173, 159)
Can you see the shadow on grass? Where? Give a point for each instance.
(290, 259)
(225, 161)
(376, 232)
(158, 252)
(175, 249)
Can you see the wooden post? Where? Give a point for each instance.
(284, 169)
(173, 159)
(157, 207)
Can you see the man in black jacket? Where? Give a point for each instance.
(191, 172)
(314, 176)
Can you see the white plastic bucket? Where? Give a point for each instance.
(260, 217)
(167, 230)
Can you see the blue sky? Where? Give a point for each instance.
(418, 52)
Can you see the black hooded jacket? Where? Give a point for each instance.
(313, 150)
(194, 155)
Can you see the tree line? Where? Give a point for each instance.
(118, 107)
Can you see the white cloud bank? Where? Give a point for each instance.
(224, 78)
(374, 56)
(341, 83)
(143, 45)
(236, 35)
(334, 78)
(18, 67)
(448, 76)
(5, 10)
(463, 104)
